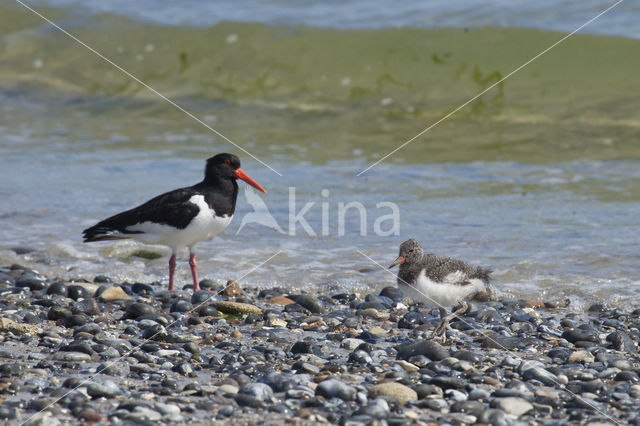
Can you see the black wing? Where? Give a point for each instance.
(172, 208)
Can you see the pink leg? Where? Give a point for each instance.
(172, 270)
(194, 271)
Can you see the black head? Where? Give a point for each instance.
(221, 166)
(410, 251)
(227, 166)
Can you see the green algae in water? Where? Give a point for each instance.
(289, 92)
(145, 254)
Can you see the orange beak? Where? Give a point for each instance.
(398, 261)
(238, 173)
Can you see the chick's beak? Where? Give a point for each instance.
(398, 261)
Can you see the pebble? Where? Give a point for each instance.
(432, 350)
(581, 356)
(260, 391)
(112, 293)
(313, 304)
(333, 388)
(236, 308)
(395, 390)
(108, 389)
(512, 405)
(136, 310)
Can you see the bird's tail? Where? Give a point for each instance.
(102, 233)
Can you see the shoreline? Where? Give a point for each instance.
(270, 356)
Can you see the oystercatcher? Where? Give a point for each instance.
(439, 281)
(182, 217)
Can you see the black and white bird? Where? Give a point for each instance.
(182, 217)
(439, 281)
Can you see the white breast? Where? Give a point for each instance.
(204, 226)
(443, 294)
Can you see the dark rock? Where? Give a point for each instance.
(469, 356)
(77, 292)
(150, 347)
(155, 332)
(183, 368)
(8, 413)
(20, 250)
(57, 313)
(531, 370)
(7, 280)
(333, 388)
(202, 296)
(392, 293)
(78, 347)
(424, 390)
(446, 382)
(585, 403)
(360, 357)
(260, 391)
(181, 305)
(108, 389)
(411, 320)
(376, 409)
(375, 305)
(253, 319)
(385, 301)
(470, 407)
(208, 311)
(135, 310)
(305, 348)
(191, 347)
(142, 289)
(597, 307)
(432, 350)
(622, 342)
(75, 320)
(313, 304)
(208, 284)
(577, 335)
(58, 288)
(507, 343)
(627, 376)
(91, 328)
(226, 411)
(488, 316)
(245, 400)
(32, 282)
(119, 368)
(31, 318)
(562, 354)
(295, 307)
(495, 417)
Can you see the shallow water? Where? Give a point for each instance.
(538, 179)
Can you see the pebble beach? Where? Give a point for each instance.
(103, 352)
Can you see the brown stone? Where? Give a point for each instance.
(91, 417)
(112, 293)
(483, 296)
(232, 289)
(281, 300)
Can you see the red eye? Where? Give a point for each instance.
(227, 162)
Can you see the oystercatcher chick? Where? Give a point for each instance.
(439, 281)
(182, 217)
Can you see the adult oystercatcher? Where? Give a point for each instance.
(182, 217)
(439, 281)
